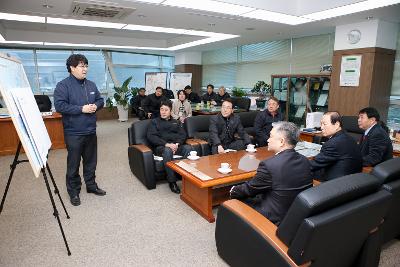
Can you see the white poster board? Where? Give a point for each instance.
(178, 81)
(350, 70)
(24, 112)
(155, 79)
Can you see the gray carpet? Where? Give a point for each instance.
(130, 226)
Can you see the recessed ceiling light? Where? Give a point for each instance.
(69, 44)
(275, 17)
(85, 23)
(210, 5)
(350, 9)
(17, 17)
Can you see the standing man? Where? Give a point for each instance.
(375, 144)
(340, 155)
(264, 120)
(167, 138)
(278, 179)
(224, 128)
(78, 99)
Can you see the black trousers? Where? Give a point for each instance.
(236, 145)
(85, 147)
(167, 155)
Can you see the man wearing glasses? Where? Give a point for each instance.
(226, 130)
(78, 99)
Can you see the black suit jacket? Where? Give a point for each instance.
(376, 146)
(339, 156)
(278, 179)
(220, 134)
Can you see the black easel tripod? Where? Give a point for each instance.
(56, 191)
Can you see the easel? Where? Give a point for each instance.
(43, 170)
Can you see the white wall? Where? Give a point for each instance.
(188, 58)
(374, 33)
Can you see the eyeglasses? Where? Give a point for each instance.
(83, 66)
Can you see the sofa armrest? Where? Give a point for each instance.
(204, 146)
(141, 162)
(260, 231)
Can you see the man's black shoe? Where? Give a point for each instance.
(174, 188)
(97, 191)
(75, 200)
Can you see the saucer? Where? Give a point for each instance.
(193, 158)
(253, 150)
(224, 171)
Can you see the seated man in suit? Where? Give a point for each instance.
(192, 97)
(221, 96)
(136, 103)
(339, 155)
(167, 138)
(210, 95)
(279, 178)
(224, 128)
(375, 144)
(151, 104)
(264, 120)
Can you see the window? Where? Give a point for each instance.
(97, 68)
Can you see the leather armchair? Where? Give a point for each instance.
(247, 119)
(140, 155)
(197, 128)
(241, 102)
(350, 125)
(389, 174)
(333, 224)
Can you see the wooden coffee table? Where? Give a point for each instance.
(202, 195)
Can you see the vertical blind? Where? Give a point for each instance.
(396, 72)
(244, 65)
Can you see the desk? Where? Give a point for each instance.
(203, 195)
(9, 138)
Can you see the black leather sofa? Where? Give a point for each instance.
(333, 224)
(241, 102)
(141, 160)
(389, 174)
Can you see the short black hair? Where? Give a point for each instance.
(142, 89)
(188, 87)
(210, 85)
(74, 61)
(335, 117)
(166, 103)
(371, 113)
(228, 100)
(179, 91)
(159, 87)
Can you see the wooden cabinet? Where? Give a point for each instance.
(299, 94)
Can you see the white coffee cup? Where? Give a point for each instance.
(250, 147)
(193, 153)
(225, 166)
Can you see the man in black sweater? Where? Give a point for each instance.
(210, 95)
(152, 103)
(191, 96)
(279, 178)
(167, 138)
(375, 144)
(136, 103)
(264, 120)
(339, 155)
(224, 127)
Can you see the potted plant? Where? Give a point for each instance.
(121, 99)
(262, 89)
(238, 92)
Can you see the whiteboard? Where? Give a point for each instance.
(24, 112)
(178, 81)
(155, 79)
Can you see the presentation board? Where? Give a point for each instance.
(178, 81)
(24, 112)
(155, 79)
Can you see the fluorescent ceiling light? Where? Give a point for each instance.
(151, 1)
(69, 44)
(131, 47)
(17, 17)
(133, 27)
(350, 9)
(276, 17)
(199, 42)
(209, 5)
(85, 23)
(2, 38)
(22, 42)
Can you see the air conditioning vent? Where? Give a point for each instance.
(95, 9)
